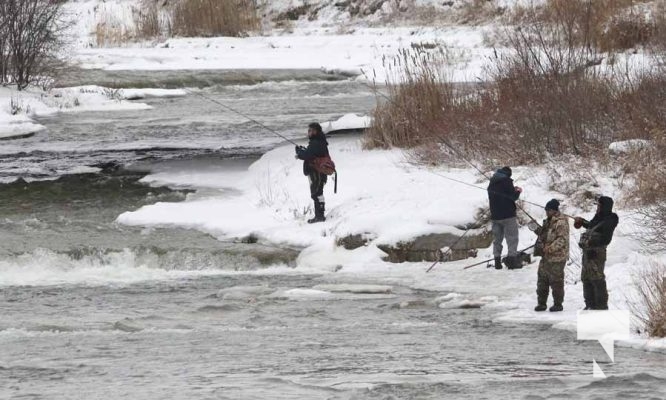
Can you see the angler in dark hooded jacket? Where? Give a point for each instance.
(317, 147)
(593, 242)
(502, 196)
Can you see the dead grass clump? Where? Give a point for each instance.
(417, 95)
(478, 11)
(659, 16)
(626, 32)
(605, 24)
(294, 14)
(148, 23)
(208, 18)
(112, 34)
(650, 308)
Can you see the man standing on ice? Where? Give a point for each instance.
(317, 147)
(502, 196)
(554, 237)
(593, 242)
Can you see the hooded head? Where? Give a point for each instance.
(502, 173)
(506, 171)
(604, 205)
(314, 129)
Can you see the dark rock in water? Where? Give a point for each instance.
(346, 131)
(249, 239)
(121, 326)
(352, 242)
(19, 136)
(265, 254)
(428, 247)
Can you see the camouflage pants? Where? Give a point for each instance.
(594, 261)
(550, 276)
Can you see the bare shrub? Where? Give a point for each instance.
(626, 32)
(32, 40)
(214, 17)
(650, 306)
(549, 96)
(4, 49)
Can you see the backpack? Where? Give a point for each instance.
(323, 165)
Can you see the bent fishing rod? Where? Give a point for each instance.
(227, 107)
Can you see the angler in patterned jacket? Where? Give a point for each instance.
(317, 147)
(554, 237)
(593, 242)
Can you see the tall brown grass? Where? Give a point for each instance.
(214, 17)
(148, 23)
(553, 93)
(650, 307)
(183, 18)
(542, 99)
(407, 114)
(605, 24)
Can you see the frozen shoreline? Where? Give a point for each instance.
(390, 200)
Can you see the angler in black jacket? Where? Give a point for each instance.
(593, 242)
(502, 196)
(317, 147)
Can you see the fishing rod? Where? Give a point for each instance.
(243, 115)
(489, 260)
(497, 193)
(451, 248)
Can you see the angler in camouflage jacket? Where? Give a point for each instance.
(554, 239)
(593, 242)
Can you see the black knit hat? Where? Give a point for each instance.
(553, 204)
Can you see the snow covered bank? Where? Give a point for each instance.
(17, 107)
(362, 52)
(388, 200)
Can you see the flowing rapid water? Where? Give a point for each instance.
(93, 309)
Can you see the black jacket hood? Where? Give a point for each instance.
(606, 204)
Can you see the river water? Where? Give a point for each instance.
(93, 309)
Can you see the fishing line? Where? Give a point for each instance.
(242, 115)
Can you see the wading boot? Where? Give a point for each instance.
(558, 296)
(600, 294)
(319, 213)
(588, 295)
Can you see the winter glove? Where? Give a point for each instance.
(578, 222)
(534, 227)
